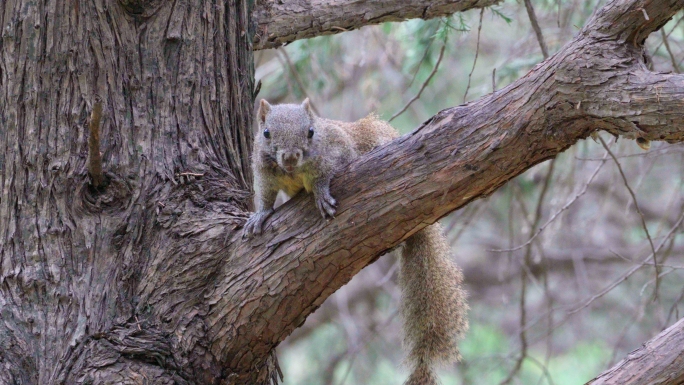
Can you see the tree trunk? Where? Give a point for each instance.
(84, 294)
(145, 277)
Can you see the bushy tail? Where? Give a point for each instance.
(422, 375)
(434, 305)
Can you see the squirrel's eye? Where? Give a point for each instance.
(267, 134)
(310, 135)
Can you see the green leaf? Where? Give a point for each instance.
(502, 15)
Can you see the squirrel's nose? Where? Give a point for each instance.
(292, 158)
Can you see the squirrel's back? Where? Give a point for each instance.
(367, 133)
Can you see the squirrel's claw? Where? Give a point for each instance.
(254, 225)
(326, 205)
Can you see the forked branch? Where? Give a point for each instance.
(598, 81)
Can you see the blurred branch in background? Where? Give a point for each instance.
(477, 52)
(422, 88)
(570, 232)
(641, 215)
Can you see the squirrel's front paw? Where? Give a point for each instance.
(255, 223)
(326, 204)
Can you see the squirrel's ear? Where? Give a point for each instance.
(307, 107)
(264, 109)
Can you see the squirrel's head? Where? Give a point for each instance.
(286, 133)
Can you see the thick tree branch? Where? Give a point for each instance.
(658, 361)
(282, 22)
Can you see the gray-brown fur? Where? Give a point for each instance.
(433, 306)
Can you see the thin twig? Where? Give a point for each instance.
(607, 289)
(668, 35)
(464, 223)
(580, 305)
(356, 348)
(545, 271)
(295, 74)
(554, 216)
(537, 30)
(467, 212)
(674, 309)
(542, 195)
(420, 63)
(523, 291)
(628, 273)
(639, 314)
(669, 51)
(544, 368)
(477, 52)
(643, 288)
(662, 151)
(641, 214)
(647, 263)
(95, 157)
(434, 71)
(523, 333)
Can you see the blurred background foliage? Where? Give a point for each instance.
(558, 309)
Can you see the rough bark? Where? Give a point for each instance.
(282, 22)
(147, 276)
(176, 80)
(658, 361)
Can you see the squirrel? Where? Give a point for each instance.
(293, 150)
